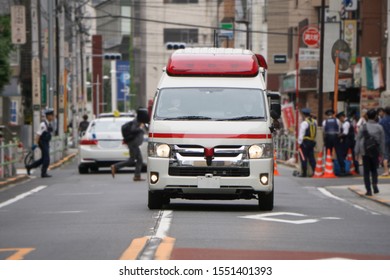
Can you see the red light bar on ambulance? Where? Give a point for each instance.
(213, 64)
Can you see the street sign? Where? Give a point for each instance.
(18, 24)
(309, 54)
(36, 80)
(280, 58)
(311, 37)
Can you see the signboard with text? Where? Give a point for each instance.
(123, 79)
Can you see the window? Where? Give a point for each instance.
(219, 104)
(180, 35)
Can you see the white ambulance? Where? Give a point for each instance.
(210, 135)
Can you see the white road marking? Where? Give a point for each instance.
(159, 233)
(21, 196)
(266, 217)
(164, 224)
(328, 194)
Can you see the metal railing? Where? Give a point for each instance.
(12, 154)
(285, 146)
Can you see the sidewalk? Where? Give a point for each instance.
(22, 173)
(382, 197)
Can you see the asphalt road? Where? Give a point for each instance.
(72, 216)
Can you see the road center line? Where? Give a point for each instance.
(164, 224)
(21, 196)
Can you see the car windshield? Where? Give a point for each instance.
(219, 104)
(107, 126)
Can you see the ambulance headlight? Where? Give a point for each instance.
(159, 150)
(260, 151)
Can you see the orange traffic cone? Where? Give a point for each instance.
(329, 173)
(276, 172)
(319, 166)
(352, 170)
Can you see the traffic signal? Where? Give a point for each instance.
(175, 45)
(112, 56)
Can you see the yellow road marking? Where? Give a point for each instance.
(20, 252)
(134, 249)
(164, 250)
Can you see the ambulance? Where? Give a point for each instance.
(210, 135)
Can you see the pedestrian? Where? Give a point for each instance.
(362, 120)
(380, 114)
(306, 141)
(370, 143)
(331, 128)
(346, 141)
(385, 123)
(83, 125)
(135, 139)
(42, 140)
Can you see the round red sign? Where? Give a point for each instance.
(311, 37)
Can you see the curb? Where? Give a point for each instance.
(23, 177)
(373, 198)
(13, 180)
(62, 161)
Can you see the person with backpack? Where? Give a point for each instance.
(133, 136)
(346, 141)
(306, 141)
(42, 139)
(370, 144)
(83, 125)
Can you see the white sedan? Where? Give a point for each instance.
(102, 145)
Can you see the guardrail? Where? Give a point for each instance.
(8, 158)
(12, 154)
(285, 146)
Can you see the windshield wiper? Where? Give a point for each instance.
(244, 118)
(188, 118)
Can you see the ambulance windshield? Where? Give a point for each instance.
(219, 104)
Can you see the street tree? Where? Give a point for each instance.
(5, 49)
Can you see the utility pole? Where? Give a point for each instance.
(74, 75)
(321, 70)
(114, 101)
(51, 35)
(35, 67)
(388, 49)
(61, 66)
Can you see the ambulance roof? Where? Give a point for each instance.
(214, 62)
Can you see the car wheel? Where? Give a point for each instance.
(95, 169)
(266, 201)
(83, 170)
(155, 200)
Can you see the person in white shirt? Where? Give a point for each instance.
(306, 141)
(42, 139)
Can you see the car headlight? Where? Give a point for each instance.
(260, 151)
(159, 150)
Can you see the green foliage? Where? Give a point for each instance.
(5, 49)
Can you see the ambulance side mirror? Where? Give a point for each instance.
(275, 107)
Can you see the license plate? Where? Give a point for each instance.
(209, 182)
